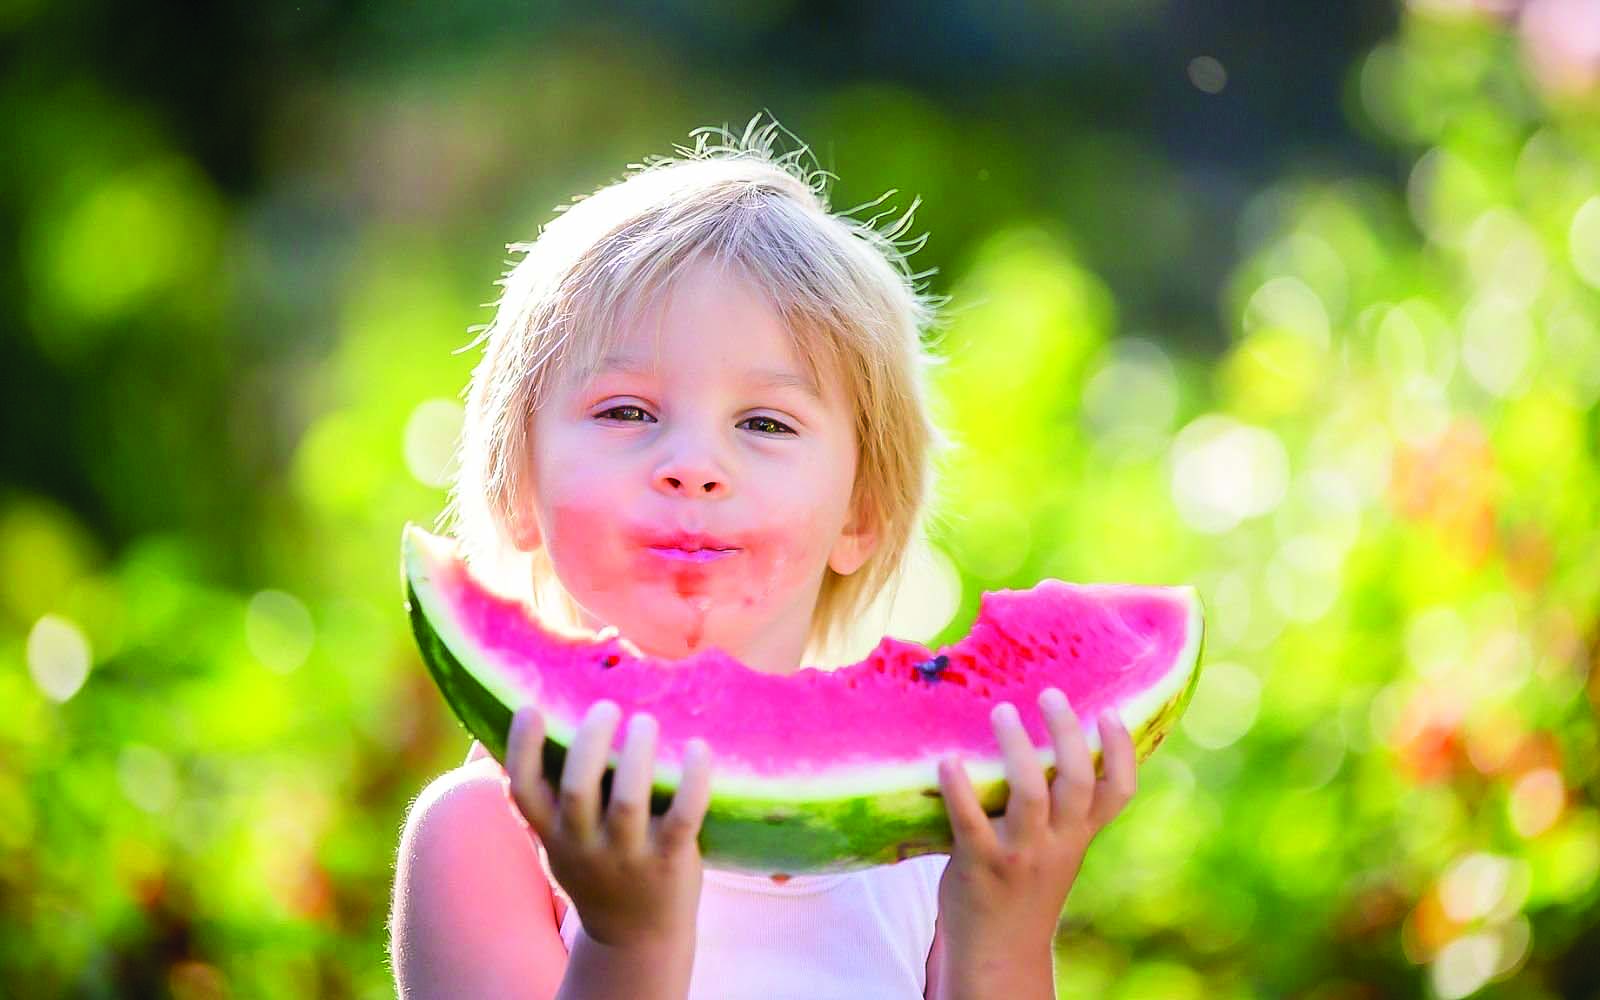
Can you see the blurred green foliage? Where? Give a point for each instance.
(1385, 483)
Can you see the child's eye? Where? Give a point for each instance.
(771, 426)
(786, 429)
(619, 409)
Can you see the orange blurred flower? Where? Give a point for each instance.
(1427, 738)
(1449, 481)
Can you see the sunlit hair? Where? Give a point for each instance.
(841, 286)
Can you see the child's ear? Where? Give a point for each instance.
(524, 530)
(854, 545)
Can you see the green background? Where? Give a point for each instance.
(1314, 325)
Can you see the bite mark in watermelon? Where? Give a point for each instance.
(820, 770)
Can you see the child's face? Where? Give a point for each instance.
(695, 442)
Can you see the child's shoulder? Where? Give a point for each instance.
(464, 825)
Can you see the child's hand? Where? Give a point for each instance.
(1006, 881)
(634, 878)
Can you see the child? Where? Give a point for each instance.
(704, 357)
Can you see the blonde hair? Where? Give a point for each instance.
(842, 288)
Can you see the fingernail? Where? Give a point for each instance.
(1006, 712)
(1053, 699)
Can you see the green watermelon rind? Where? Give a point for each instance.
(824, 823)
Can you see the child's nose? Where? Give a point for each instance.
(693, 485)
(692, 466)
(682, 476)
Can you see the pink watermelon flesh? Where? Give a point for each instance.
(829, 754)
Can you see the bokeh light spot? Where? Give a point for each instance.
(1505, 257)
(1537, 800)
(58, 657)
(1561, 40)
(1497, 343)
(1224, 705)
(1131, 399)
(147, 777)
(431, 434)
(1474, 886)
(1207, 74)
(1464, 965)
(1418, 409)
(1224, 471)
(278, 630)
(1515, 936)
(339, 465)
(116, 243)
(1446, 193)
(1414, 339)
(1287, 303)
(1583, 241)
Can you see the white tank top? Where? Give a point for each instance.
(850, 935)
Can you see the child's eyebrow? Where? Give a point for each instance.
(763, 377)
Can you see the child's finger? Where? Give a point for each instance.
(1116, 789)
(1028, 802)
(681, 824)
(971, 827)
(580, 777)
(1073, 788)
(528, 791)
(627, 815)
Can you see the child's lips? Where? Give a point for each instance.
(691, 555)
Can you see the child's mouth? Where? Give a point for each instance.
(691, 555)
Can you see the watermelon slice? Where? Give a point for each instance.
(820, 770)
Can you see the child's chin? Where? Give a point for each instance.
(677, 639)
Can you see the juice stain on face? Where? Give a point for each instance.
(692, 591)
(746, 579)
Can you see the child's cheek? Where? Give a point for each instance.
(582, 536)
(776, 565)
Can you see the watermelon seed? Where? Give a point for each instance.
(930, 670)
(611, 660)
